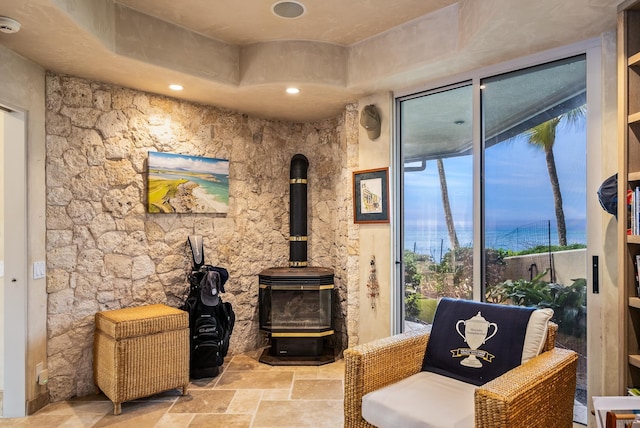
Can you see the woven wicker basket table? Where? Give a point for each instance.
(140, 351)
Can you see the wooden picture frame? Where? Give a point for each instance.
(371, 196)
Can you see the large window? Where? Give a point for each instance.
(529, 214)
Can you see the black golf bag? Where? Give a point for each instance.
(211, 320)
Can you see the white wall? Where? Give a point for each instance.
(2, 252)
(22, 87)
(375, 239)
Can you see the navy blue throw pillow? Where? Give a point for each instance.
(475, 342)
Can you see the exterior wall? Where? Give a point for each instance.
(568, 265)
(106, 252)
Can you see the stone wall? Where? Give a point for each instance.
(104, 251)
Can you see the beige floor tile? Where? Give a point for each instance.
(36, 421)
(204, 401)
(298, 414)
(90, 398)
(169, 395)
(14, 422)
(225, 420)
(317, 389)
(332, 371)
(205, 383)
(175, 420)
(139, 414)
(245, 401)
(246, 362)
(246, 394)
(306, 372)
(77, 407)
(80, 422)
(276, 394)
(255, 380)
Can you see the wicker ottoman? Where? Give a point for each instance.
(140, 351)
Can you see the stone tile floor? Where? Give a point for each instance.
(247, 394)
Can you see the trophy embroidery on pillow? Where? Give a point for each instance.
(476, 333)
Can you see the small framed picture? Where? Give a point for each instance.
(371, 196)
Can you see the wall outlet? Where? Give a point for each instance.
(43, 377)
(42, 374)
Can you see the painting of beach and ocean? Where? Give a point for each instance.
(187, 184)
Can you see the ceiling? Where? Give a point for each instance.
(243, 22)
(238, 54)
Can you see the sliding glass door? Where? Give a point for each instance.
(530, 213)
(534, 139)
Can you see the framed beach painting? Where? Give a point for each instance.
(371, 196)
(187, 184)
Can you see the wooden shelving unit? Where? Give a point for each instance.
(629, 178)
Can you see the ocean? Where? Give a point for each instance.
(434, 240)
(218, 187)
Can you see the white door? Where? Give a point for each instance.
(13, 258)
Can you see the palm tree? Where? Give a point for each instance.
(448, 218)
(544, 136)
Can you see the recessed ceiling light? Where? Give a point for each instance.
(175, 87)
(288, 9)
(293, 90)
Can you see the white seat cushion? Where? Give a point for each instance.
(424, 400)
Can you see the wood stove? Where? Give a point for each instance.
(295, 302)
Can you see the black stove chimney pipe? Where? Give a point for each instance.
(298, 211)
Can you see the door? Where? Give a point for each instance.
(494, 196)
(535, 198)
(13, 264)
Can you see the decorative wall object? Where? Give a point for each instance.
(371, 196)
(187, 184)
(370, 120)
(373, 288)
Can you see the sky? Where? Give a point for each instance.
(188, 163)
(518, 190)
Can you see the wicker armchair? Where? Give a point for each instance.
(539, 393)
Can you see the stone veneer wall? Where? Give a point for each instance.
(104, 251)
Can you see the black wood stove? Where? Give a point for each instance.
(295, 302)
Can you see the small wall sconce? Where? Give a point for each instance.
(370, 120)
